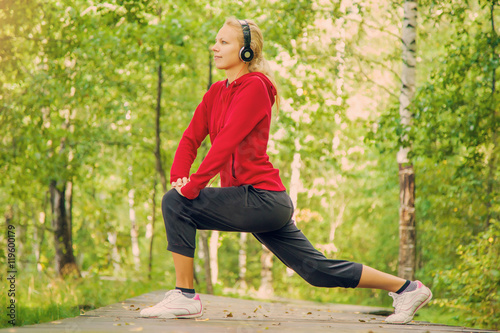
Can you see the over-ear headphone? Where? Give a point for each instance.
(246, 53)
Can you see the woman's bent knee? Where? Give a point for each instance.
(171, 198)
(172, 207)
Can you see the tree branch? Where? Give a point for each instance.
(380, 64)
(374, 82)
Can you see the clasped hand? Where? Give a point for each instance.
(179, 184)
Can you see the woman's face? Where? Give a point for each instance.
(227, 48)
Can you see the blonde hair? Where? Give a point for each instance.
(258, 63)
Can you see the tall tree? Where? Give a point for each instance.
(407, 234)
(157, 151)
(494, 115)
(61, 203)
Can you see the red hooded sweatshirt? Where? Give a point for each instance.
(238, 119)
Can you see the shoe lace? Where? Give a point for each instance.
(169, 296)
(397, 301)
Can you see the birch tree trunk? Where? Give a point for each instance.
(213, 249)
(407, 232)
(150, 228)
(133, 229)
(204, 253)
(39, 236)
(242, 261)
(336, 222)
(266, 289)
(115, 256)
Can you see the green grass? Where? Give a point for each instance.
(445, 315)
(44, 298)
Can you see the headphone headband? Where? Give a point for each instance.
(246, 32)
(246, 53)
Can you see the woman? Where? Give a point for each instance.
(236, 113)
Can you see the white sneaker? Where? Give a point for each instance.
(408, 303)
(175, 305)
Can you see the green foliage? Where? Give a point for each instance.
(78, 89)
(473, 285)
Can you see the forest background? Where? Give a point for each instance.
(95, 95)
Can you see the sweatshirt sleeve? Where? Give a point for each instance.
(190, 142)
(250, 106)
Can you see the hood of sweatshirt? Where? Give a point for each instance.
(271, 90)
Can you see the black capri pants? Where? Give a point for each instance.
(267, 215)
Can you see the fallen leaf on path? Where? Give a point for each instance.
(229, 315)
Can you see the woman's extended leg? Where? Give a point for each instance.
(372, 278)
(291, 246)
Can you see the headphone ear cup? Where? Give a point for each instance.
(246, 54)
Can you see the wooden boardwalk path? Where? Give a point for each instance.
(225, 314)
